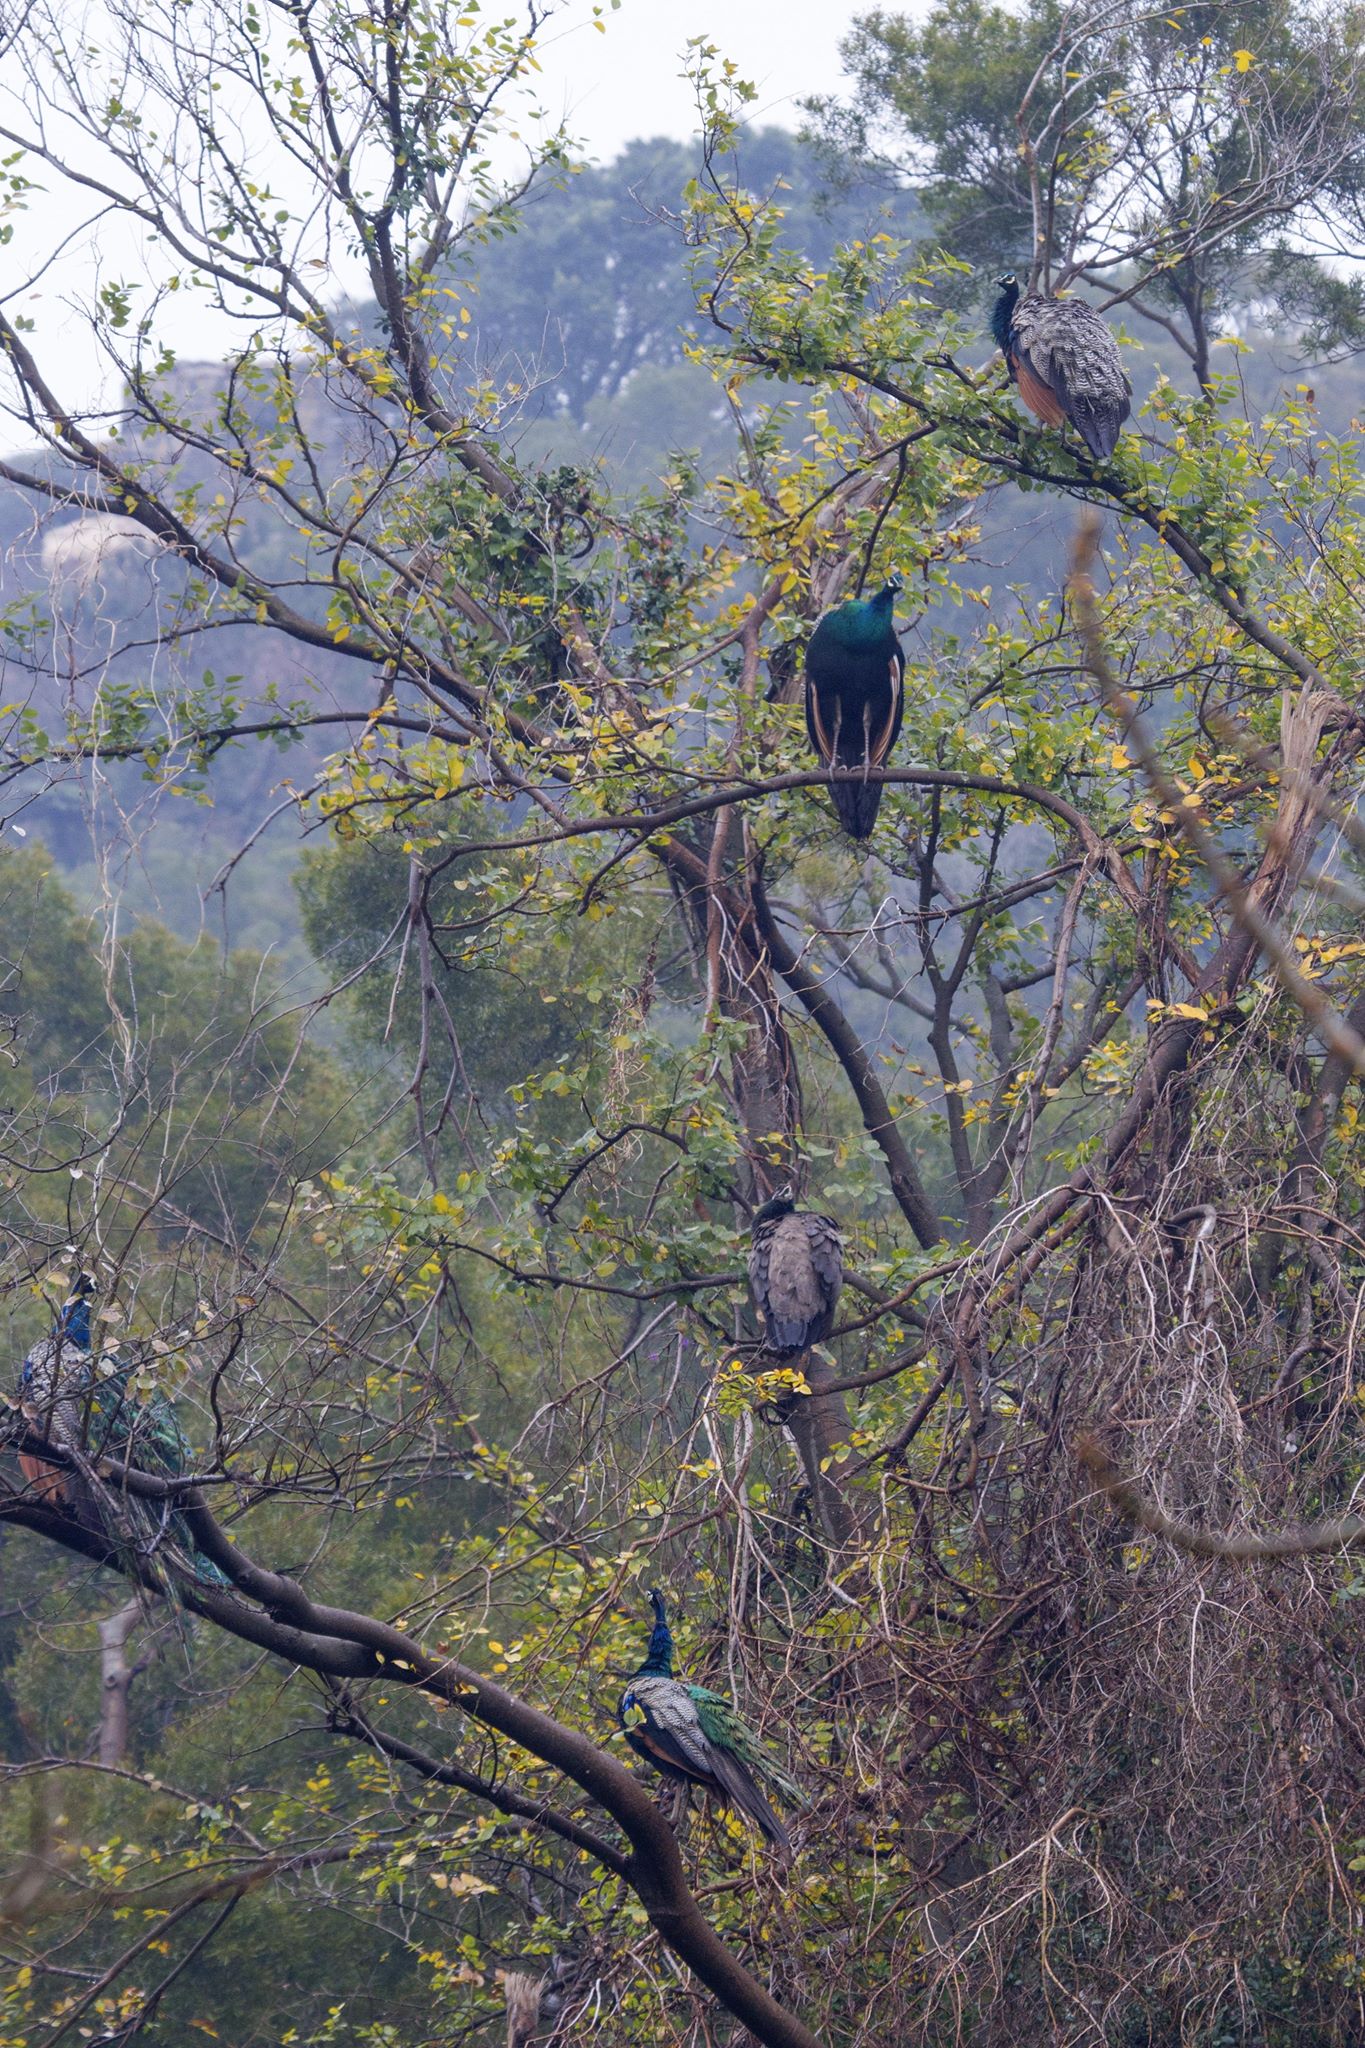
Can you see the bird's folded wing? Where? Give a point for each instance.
(794, 1288)
(881, 746)
(669, 1728)
(826, 1243)
(815, 724)
(663, 1749)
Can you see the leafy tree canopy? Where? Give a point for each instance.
(1037, 1575)
(1184, 163)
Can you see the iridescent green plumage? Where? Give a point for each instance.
(854, 701)
(696, 1737)
(146, 1433)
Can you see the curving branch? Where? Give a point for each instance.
(843, 1040)
(1128, 1499)
(272, 1611)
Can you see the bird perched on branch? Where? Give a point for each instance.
(854, 700)
(54, 1383)
(95, 1415)
(796, 1272)
(1065, 362)
(696, 1738)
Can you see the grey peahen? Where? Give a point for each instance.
(796, 1272)
(1065, 362)
(696, 1738)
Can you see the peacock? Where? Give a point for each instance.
(94, 1415)
(854, 700)
(54, 1384)
(1065, 362)
(696, 1738)
(796, 1272)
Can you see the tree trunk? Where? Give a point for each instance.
(818, 1425)
(115, 1680)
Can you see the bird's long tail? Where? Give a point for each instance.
(742, 1791)
(856, 803)
(855, 797)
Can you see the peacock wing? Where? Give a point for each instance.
(1068, 345)
(54, 1370)
(660, 1718)
(827, 1256)
(818, 733)
(891, 730)
(1035, 340)
(758, 1264)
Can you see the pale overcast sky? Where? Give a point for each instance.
(610, 88)
(627, 82)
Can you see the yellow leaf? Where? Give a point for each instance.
(1243, 59)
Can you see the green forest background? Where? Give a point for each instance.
(401, 1030)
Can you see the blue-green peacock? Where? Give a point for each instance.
(854, 701)
(696, 1738)
(95, 1416)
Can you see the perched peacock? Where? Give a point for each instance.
(94, 1415)
(854, 701)
(1065, 362)
(54, 1389)
(696, 1737)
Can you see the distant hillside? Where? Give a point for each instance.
(581, 320)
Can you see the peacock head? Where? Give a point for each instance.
(659, 1656)
(780, 1203)
(890, 590)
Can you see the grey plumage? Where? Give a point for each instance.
(54, 1382)
(796, 1272)
(1066, 364)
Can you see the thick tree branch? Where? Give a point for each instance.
(341, 1643)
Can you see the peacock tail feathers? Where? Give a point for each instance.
(721, 1724)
